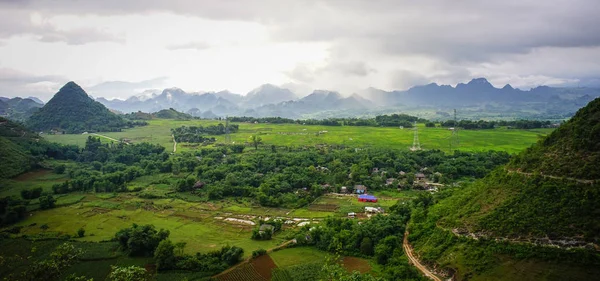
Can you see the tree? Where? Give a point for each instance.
(140, 240)
(164, 256)
(366, 246)
(128, 273)
(60, 169)
(255, 140)
(179, 247)
(231, 255)
(63, 257)
(429, 124)
(47, 202)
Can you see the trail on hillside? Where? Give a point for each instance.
(409, 253)
(174, 144)
(103, 136)
(552, 177)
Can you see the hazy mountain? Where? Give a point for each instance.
(267, 94)
(18, 108)
(270, 100)
(36, 100)
(4, 107)
(72, 110)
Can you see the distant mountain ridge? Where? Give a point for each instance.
(19, 108)
(271, 100)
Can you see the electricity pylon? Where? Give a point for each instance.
(416, 145)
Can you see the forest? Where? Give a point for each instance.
(393, 120)
(199, 134)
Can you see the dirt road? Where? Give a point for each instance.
(102, 136)
(415, 261)
(553, 177)
(174, 144)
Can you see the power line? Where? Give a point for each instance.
(416, 144)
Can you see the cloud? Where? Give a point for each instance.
(18, 23)
(353, 68)
(386, 43)
(199, 45)
(13, 76)
(15, 83)
(125, 89)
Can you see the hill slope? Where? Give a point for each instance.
(573, 150)
(14, 158)
(500, 227)
(73, 111)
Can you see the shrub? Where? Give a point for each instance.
(258, 253)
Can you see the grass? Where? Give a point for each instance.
(158, 131)
(298, 255)
(37, 178)
(103, 218)
(348, 204)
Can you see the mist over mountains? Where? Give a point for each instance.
(478, 98)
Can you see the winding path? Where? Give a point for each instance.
(552, 177)
(409, 253)
(174, 144)
(103, 136)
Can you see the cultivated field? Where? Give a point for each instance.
(158, 131)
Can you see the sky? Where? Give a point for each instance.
(117, 48)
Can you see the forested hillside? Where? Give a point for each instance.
(573, 150)
(21, 149)
(71, 110)
(514, 214)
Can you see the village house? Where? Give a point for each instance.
(420, 176)
(360, 189)
(373, 210)
(367, 198)
(351, 215)
(343, 189)
(389, 181)
(265, 227)
(198, 185)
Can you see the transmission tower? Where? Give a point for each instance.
(454, 140)
(227, 138)
(416, 145)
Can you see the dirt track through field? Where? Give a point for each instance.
(102, 136)
(174, 144)
(415, 261)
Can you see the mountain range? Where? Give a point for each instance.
(19, 108)
(271, 100)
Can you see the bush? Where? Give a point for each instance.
(31, 193)
(164, 256)
(81, 232)
(60, 169)
(258, 253)
(140, 240)
(47, 202)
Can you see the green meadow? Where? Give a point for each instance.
(158, 131)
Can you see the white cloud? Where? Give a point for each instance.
(337, 45)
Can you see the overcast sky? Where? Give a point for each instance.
(117, 48)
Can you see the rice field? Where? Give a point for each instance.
(158, 131)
